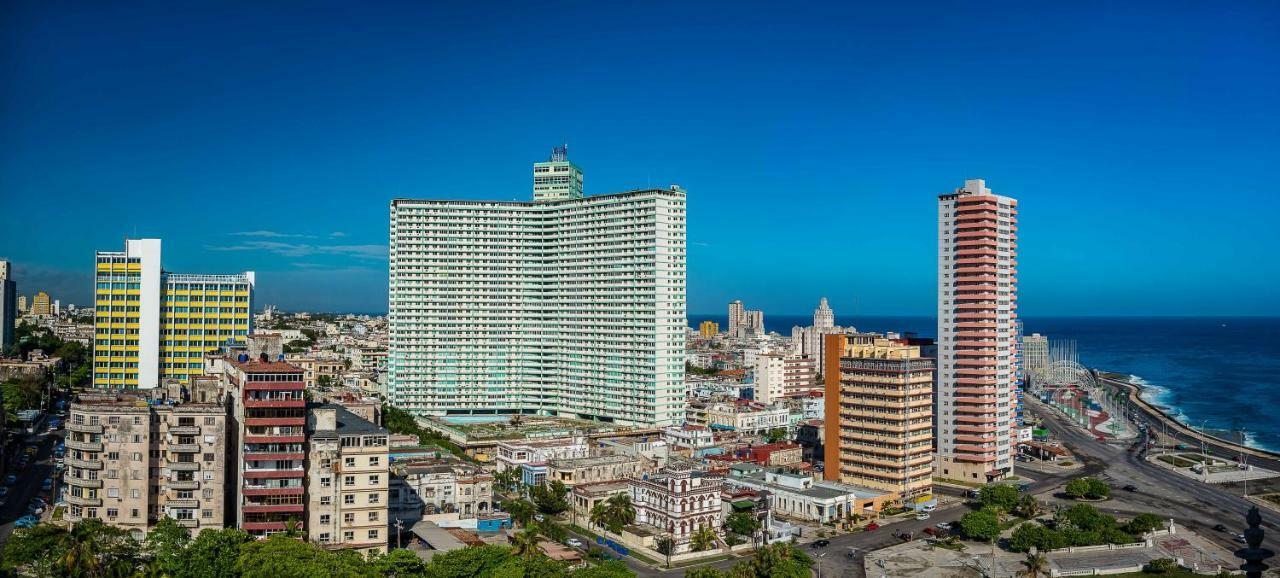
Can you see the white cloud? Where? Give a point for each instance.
(307, 249)
(271, 234)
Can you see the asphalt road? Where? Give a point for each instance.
(28, 485)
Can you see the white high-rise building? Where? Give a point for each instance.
(737, 317)
(823, 316)
(977, 338)
(572, 307)
(557, 179)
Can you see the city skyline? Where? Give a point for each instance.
(852, 131)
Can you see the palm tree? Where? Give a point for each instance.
(621, 512)
(704, 538)
(1034, 566)
(599, 516)
(525, 544)
(1028, 507)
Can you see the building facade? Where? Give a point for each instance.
(41, 304)
(134, 458)
(348, 481)
(879, 431)
(977, 338)
(1035, 353)
(570, 307)
(271, 415)
(781, 375)
(678, 501)
(8, 305)
(151, 324)
(708, 329)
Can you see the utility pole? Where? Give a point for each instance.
(399, 529)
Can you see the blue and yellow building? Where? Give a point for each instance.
(151, 324)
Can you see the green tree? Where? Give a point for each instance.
(213, 554)
(982, 525)
(520, 509)
(281, 556)
(400, 564)
(608, 569)
(166, 545)
(525, 544)
(1034, 566)
(704, 538)
(470, 562)
(704, 572)
(550, 499)
(782, 560)
(599, 516)
(1143, 523)
(776, 435)
(1098, 489)
(1092, 488)
(1030, 535)
(665, 545)
(1002, 496)
(621, 512)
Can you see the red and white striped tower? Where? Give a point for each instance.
(977, 339)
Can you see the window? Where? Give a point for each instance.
(113, 492)
(112, 512)
(113, 455)
(325, 482)
(349, 462)
(133, 513)
(374, 480)
(325, 519)
(349, 499)
(324, 538)
(349, 481)
(373, 516)
(325, 500)
(373, 498)
(348, 518)
(373, 534)
(374, 461)
(349, 536)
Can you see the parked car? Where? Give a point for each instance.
(4, 491)
(1220, 528)
(1131, 488)
(872, 526)
(47, 484)
(922, 516)
(10, 480)
(943, 526)
(823, 543)
(573, 543)
(27, 521)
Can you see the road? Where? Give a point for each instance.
(28, 485)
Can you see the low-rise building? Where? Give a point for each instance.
(434, 486)
(798, 496)
(516, 453)
(741, 416)
(678, 501)
(777, 454)
(690, 437)
(574, 471)
(584, 497)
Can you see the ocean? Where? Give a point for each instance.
(1217, 373)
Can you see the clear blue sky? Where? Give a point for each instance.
(1142, 139)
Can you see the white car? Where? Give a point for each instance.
(943, 526)
(922, 516)
(574, 542)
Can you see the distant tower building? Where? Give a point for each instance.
(22, 304)
(8, 305)
(557, 179)
(56, 308)
(737, 317)
(977, 337)
(175, 318)
(41, 304)
(823, 316)
(1035, 353)
(755, 323)
(709, 329)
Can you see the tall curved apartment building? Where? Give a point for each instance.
(977, 337)
(570, 305)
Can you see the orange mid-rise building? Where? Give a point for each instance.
(879, 414)
(977, 337)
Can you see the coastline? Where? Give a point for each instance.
(1140, 392)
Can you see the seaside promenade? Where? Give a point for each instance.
(1180, 432)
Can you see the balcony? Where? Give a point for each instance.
(84, 464)
(274, 439)
(182, 503)
(270, 456)
(266, 491)
(189, 523)
(275, 421)
(275, 403)
(84, 446)
(81, 482)
(183, 484)
(274, 386)
(185, 430)
(82, 501)
(184, 448)
(272, 508)
(273, 474)
(184, 466)
(266, 526)
(85, 428)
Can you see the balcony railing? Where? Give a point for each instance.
(184, 448)
(184, 466)
(85, 428)
(84, 446)
(182, 503)
(83, 501)
(185, 430)
(84, 464)
(183, 484)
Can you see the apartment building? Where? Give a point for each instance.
(741, 416)
(348, 479)
(134, 457)
(151, 324)
(879, 427)
(271, 418)
(781, 375)
(678, 500)
(516, 453)
(8, 306)
(708, 329)
(568, 305)
(977, 337)
(433, 486)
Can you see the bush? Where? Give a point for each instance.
(1143, 523)
(1042, 538)
(1161, 566)
(1091, 488)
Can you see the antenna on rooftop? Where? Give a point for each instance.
(560, 153)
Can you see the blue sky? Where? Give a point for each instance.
(1140, 138)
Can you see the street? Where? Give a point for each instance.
(28, 485)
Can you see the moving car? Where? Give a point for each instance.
(943, 526)
(872, 526)
(1131, 488)
(922, 516)
(820, 543)
(573, 543)
(1220, 528)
